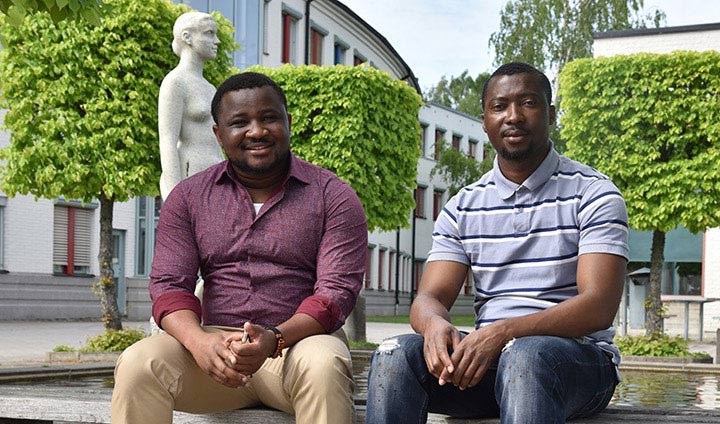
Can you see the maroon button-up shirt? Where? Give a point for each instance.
(304, 252)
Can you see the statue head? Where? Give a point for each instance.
(196, 31)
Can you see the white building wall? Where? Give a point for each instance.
(28, 235)
(694, 38)
(657, 43)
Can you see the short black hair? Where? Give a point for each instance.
(513, 68)
(243, 81)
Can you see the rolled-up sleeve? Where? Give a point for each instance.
(175, 262)
(340, 259)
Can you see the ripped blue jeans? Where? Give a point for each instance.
(538, 379)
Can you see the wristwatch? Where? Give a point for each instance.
(280, 342)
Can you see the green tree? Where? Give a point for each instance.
(90, 10)
(651, 122)
(550, 33)
(82, 103)
(459, 169)
(361, 124)
(463, 93)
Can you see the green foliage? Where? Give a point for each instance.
(63, 348)
(651, 122)
(113, 340)
(463, 93)
(550, 33)
(457, 168)
(356, 344)
(82, 100)
(90, 10)
(655, 345)
(361, 124)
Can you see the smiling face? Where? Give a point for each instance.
(517, 118)
(253, 128)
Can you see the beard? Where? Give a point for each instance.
(517, 155)
(280, 162)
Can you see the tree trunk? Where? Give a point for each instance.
(106, 288)
(653, 305)
(355, 323)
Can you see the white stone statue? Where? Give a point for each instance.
(187, 142)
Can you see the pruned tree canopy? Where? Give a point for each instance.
(362, 124)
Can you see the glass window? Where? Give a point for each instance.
(289, 38)
(456, 139)
(437, 203)
(472, 148)
(316, 46)
(420, 202)
(423, 139)
(148, 214)
(439, 140)
(72, 237)
(340, 54)
(368, 268)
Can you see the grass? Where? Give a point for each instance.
(354, 344)
(458, 320)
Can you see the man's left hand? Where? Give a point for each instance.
(250, 355)
(474, 355)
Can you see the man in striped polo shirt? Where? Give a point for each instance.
(545, 238)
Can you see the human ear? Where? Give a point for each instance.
(187, 37)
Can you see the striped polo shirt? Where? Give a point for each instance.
(523, 241)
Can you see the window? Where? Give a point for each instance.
(682, 278)
(289, 38)
(391, 266)
(381, 268)
(72, 231)
(340, 52)
(147, 215)
(423, 138)
(368, 268)
(472, 148)
(456, 139)
(358, 59)
(437, 203)
(439, 140)
(266, 26)
(420, 202)
(3, 203)
(316, 45)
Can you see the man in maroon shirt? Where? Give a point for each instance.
(281, 245)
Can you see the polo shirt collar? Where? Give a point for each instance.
(542, 174)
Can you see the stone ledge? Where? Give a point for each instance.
(63, 357)
(670, 359)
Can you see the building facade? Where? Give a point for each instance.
(692, 297)
(49, 247)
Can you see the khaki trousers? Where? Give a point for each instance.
(312, 380)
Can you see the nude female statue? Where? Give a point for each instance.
(187, 142)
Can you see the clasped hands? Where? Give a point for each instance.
(231, 358)
(457, 360)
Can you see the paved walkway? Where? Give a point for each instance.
(24, 343)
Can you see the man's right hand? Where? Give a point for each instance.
(213, 356)
(439, 334)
